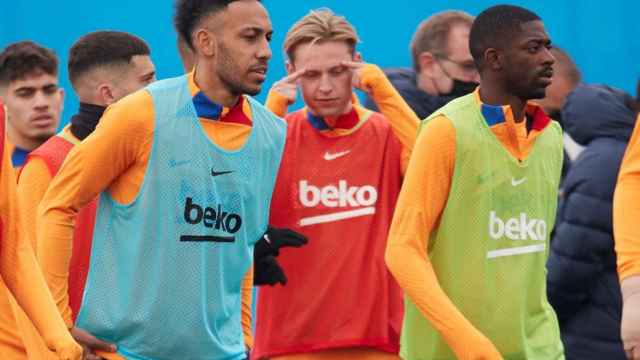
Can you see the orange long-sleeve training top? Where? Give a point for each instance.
(626, 210)
(114, 158)
(404, 124)
(422, 200)
(33, 182)
(20, 275)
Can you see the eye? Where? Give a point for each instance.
(25, 94)
(50, 90)
(311, 74)
(337, 70)
(533, 48)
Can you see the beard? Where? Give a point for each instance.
(527, 91)
(232, 75)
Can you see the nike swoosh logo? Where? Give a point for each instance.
(218, 173)
(174, 163)
(328, 156)
(515, 182)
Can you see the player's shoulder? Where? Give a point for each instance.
(34, 169)
(259, 112)
(296, 116)
(134, 112)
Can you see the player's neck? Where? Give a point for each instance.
(213, 87)
(334, 120)
(491, 93)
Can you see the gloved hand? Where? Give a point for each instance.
(267, 271)
(274, 239)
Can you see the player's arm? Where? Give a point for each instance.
(20, 272)
(122, 136)
(283, 93)
(404, 122)
(421, 202)
(626, 212)
(247, 300)
(33, 182)
(88, 169)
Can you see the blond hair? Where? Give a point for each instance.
(319, 26)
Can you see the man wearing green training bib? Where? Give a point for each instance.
(470, 234)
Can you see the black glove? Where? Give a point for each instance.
(267, 271)
(274, 239)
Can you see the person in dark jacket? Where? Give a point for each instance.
(582, 282)
(443, 68)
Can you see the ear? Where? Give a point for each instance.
(492, 59)
(426, 61)
(61, 92)
(105, 94)
(357, 57)
(290, 68)
(205, 42)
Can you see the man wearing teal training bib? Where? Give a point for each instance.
(470, 235)
(184, 171)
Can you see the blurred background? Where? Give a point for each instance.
(602, 37)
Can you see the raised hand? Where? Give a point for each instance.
(287, 86)
(356, 67)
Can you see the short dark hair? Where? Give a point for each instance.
(494, 26)
(189, 13)
(23, 58)
(432, 34)
(103, 48)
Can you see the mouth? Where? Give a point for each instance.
(259, 71)
(326, 101)
(42, 120)
(546, 76)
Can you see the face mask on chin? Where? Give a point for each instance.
(461, 88)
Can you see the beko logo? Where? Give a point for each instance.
(349, 201)
(212, 218)
(517, 228)
(342, 195)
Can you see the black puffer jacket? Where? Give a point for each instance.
(405, 81)
(582, 281)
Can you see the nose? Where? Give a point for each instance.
(264, 52)
(475, 77)
(325, 86)
(41, 100)
(548, 57)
